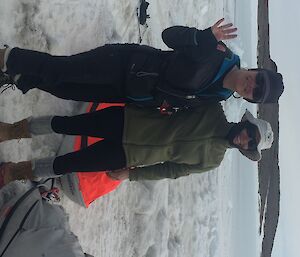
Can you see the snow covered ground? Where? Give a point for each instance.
(209, 215)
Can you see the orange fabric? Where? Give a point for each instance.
(94, 184)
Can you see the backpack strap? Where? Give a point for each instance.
(228, 63)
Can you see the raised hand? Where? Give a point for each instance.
(223, 32)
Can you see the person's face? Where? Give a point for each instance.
(246, 83)
(244, 136)
(247, 138)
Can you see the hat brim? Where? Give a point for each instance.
(252, 155)
(256, 154)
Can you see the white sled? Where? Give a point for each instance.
(32, 227)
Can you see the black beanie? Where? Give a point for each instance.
(273, 87)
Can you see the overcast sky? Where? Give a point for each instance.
(285, 40)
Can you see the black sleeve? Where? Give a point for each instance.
(179, 38)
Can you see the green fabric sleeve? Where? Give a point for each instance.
(165, 170)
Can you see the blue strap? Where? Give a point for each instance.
(227, 64)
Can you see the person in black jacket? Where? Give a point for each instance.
(199, 68)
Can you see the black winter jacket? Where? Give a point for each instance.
(156, 77)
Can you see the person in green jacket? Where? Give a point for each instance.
(139, 143)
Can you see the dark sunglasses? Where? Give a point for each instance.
(259, 90)
(251, 131)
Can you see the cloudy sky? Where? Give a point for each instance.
(285, 41)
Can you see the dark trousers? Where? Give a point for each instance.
(98, 75)
(107, 154)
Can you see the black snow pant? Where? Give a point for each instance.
(104, 155)
(98, 75)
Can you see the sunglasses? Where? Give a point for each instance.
(259, 90)
(251, 131)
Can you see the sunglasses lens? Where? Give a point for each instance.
(251, 145)
(251, 131)
(259, 79)
(259, 89)
(257, 93)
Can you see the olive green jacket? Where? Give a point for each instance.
(163, 146)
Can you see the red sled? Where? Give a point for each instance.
(85, 187)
